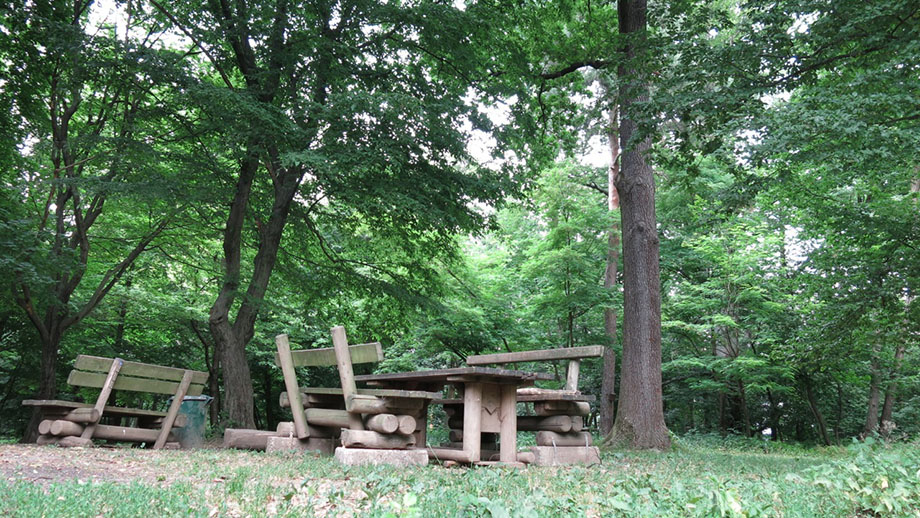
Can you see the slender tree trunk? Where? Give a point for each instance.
(815, 410)
(871, 425)
(610, 277)
(640, 412)
(745, 415)
(891, 392)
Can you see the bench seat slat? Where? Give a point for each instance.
(89, 363)
(109, 410)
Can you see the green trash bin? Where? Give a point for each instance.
(195, 410)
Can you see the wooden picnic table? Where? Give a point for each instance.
(489, 400)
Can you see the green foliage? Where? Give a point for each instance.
(705, 477)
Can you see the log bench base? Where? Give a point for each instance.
(374, 457)
(565, 455)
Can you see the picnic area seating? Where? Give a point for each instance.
(372, 425)
(68, 423)
(558, 414)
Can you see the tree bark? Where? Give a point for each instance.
(815, 410)
(610, 278)
(871, 425)
(640, 413)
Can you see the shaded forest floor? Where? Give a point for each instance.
(701, 477)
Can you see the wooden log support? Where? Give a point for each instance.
(406, 424)
(347, 377)
(124, 433)
(571, 375)
(173, 411)
(63, 428)
(385, 423)
(555, 423)
(451, 454)
(361, 404)
(44, 427)
(568, 439)
(103, 394)
(508, 416)
(247, 439)
(548, 408)
(82, 415)
(328, 417)
(290, 383)
(372, 439)
(472, 421)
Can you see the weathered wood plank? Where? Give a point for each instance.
(135, 384)
(173, 411)
(109, 410)
(346, 375)
(286, 362)
(566, 353)
(571, 375)
(141, 370)
(107, 385)
(360, 353)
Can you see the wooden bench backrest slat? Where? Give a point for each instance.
(123, 382)
(361, 353)
(138, 370)
(568, 353)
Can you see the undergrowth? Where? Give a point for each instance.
(701, 477)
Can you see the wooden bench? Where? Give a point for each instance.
(359, 418)
(75, 424)
(559, 414)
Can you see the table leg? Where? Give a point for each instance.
(508, 415)
(472, 421)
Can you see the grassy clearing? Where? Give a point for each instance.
(702, 477)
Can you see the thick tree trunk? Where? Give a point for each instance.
(47, 381)
(640, 413)
(610, 278)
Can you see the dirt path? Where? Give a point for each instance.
(46, 465)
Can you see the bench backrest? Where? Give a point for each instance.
(91, 371)
(341, 355)
(573, 354)
(325, 357)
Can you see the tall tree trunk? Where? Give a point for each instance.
(610, 277)
(891, 392)
(640, 412)
(871, 425)
(815, 410)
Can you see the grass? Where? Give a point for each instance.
(702, 476)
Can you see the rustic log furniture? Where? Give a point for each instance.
(75, 424)
(559, 413)
(489, 398)
(374, 419)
